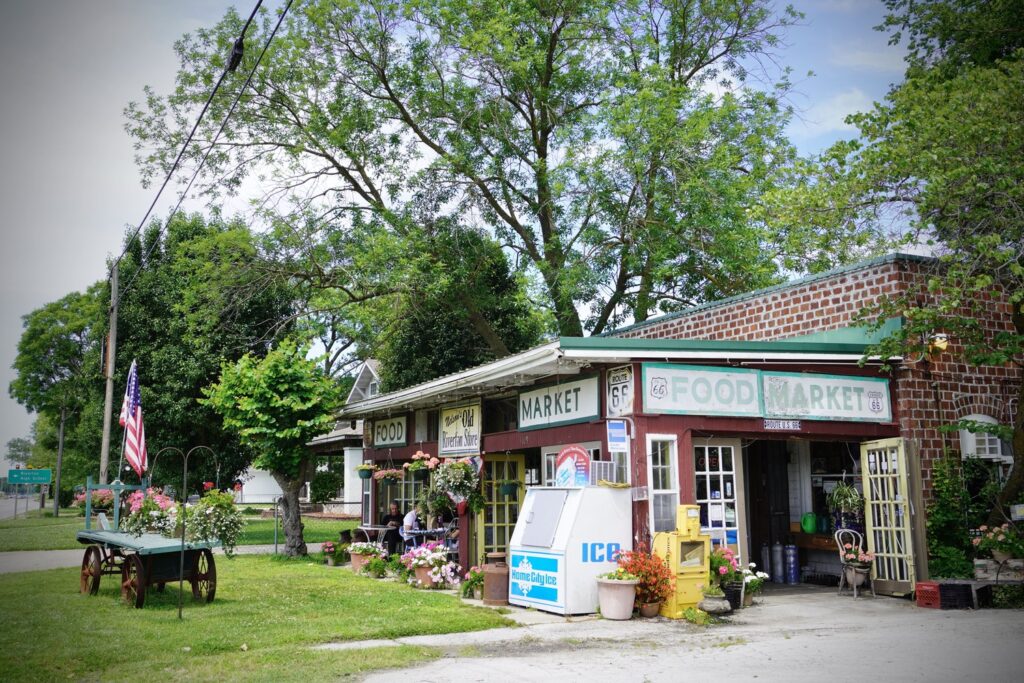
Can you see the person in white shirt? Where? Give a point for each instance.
(409, 523)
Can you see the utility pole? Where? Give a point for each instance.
(108, 403)
(60, 462)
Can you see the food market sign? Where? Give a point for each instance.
(460, 430)
(390, 432)
(559, 404)
(700, 390)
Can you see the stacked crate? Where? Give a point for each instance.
(927, 594)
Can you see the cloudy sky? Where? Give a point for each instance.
(69, 184)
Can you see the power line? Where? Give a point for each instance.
(236, 57)
(232, 63)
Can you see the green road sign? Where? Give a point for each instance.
(28, 476)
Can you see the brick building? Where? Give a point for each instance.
(753, 408)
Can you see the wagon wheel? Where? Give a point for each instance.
(91, 573)
(133, 581)
(204, 576)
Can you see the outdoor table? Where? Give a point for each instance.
(376, 530)
(145, 560)
(421, 534)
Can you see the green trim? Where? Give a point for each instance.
(816, 277)
(641, 344)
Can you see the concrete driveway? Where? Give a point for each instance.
(803, 634)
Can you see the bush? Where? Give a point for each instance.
(325, 486)
(948, 562)
(66, 498)
(696, 616)
(1008, 597)
(376, 568)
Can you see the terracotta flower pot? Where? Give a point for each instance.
(423, 577)
(650, 609)
(358, 562)
(616, 598)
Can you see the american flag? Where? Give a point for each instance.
(131, 420)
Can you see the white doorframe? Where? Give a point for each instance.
(673, 471)
(738, 482)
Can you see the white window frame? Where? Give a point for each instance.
(673, 442)
(991, 446)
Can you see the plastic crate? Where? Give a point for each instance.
(955, 596)
(928, 594)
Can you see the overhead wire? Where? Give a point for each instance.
(236, 55)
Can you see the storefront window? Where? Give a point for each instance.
(664, 491)
(406, 491)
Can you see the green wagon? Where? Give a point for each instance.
(144, 561)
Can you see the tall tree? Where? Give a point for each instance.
(276, 405)
(584, 135)
(19, 450)
(942, 159)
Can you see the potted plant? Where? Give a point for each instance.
(362, 552)
(753, 583)
(460, 481)
(328, 549)
(375, 567)
(846, 505)
(725, 569)
(857, 564)
(714, 601)
(421, 466)
(1002, 542)
(473, 583)
(429, 563)
(150, 512)
(656, 580)
(616, 593)
(365, 470)
(389, 476)
(508, 487)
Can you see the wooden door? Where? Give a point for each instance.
(888, 515)
(495, 523)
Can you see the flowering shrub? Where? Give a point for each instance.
(457, 478)
(1005, 538)
(473, 580)
(215, 518)
(207, 485)
(150, 511)
(389, 473)
(725, 568)
(754, 580)
(657, 581)
(855, 555)
(435, 557)
(102, 499)
(376, 549)
(422, 461)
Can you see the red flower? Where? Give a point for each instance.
(207, 485)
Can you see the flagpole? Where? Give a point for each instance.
(120, 461)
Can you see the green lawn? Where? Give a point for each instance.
(48, 533)
(275, 609)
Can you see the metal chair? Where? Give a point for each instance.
(856, 542)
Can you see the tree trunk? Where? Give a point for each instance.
(291, 518)
(60, 462)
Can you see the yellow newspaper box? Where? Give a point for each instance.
(688, 552)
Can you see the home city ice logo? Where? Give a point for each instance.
(523, 570)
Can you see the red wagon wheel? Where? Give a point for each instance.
(133, 581)
(90, 583)
(204, 576)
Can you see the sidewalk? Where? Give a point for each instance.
(35, 560)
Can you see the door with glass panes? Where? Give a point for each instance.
(495, 523)
(663, 481)
(718, 480)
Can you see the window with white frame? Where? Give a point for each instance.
(663, 480)
(984, 445)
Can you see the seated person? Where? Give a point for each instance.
(410, 522)
(394, 520)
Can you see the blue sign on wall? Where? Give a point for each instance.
(618, 440)
(535, 577)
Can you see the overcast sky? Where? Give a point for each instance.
(69, 184)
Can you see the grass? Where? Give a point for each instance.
(58, 533)
(267, 614)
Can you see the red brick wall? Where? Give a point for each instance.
(927, 394)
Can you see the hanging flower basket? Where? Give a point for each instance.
(365, 473)
(421, 474)
(389, 481)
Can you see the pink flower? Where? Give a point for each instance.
(983, 527)
(723, 570)
(976, 541)
(847, 546)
